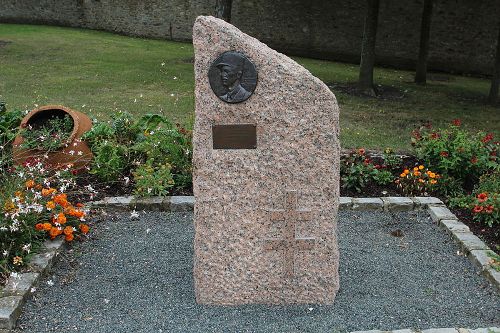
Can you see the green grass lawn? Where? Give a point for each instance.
(99, 73)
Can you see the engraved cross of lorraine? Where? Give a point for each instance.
(289, 243)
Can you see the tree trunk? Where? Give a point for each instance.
(365, 83)
(495, 82)
(223, 9)
(425, 30)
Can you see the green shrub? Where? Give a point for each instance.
(110, 161)
(153, 180)
(455, 153)
(357, 171)
(9, 123)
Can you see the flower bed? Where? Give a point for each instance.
(150, 156)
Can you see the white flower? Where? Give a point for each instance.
(5, 252)
(163, 64)
(72, 152)
(50, 283)
(27, 248)
(134, 214)
(126, 179)
(135, 100)
(80, 153)
(14, 275)
(172, 94)
(175, 77)
(148, 230)
(32, 290)
(140, 95)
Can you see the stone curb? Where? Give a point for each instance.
(15, 293)
(473, 247)
(438, 330)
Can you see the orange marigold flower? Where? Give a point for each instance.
(420, 167)
(68, 230)
(477, 209)
(47, 226)
(61, 218)
(69, 237)
(30, 183)
(50, 205)
(48, 191)
(54, 232)
(78, 214)
(433, 181)
(60, 198)
(421, 180)
(406, 171)
(80, 205)
(84, 228)
(417, 173)
(18, 194)
(38, 187)
(402, 175)
(432, 174)
(39, 226)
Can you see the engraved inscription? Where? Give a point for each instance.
(290, 215)
(239, 136)
(233, 77)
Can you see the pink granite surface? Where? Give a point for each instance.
(246, 247)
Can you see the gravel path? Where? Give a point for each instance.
(135, 276)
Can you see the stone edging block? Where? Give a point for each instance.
(438, 330)
(372, 204)
(15, 293)
(398, 204)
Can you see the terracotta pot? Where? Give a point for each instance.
(69, 153)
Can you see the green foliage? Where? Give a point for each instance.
(48, 136)
(110, 160)
(9, 122)
(486, 203)
(149, 143)
(418, 181)
(151, 180)
(357, 171)
(455, 153)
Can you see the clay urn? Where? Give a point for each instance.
(74, 152)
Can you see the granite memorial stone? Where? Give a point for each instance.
(266, 174)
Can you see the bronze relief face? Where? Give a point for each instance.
(233, 77)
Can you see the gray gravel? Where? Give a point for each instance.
(135, 276)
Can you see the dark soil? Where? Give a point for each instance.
(383, 92)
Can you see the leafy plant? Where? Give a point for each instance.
(357, 171)
(153, 180)
(455, 153)
(110, 160)
(486, 203)
(417, 181)
(9, 122)
(495, 260)
(48, 136)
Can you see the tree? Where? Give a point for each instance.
(495, 81)
(365, 82)
(425, 29)
(223, 9)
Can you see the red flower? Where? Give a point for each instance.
(416, 134)
(457, 122)
(477, 209)
(367, 161)
(435, 135)
(361, 151)
(487, 138)
(473, 160)
(378, 166)
(444, 154)
(488, 209)
(482, 197)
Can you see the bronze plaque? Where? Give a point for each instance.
(241, 136)
(233, 77)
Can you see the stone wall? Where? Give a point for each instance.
(463, 32)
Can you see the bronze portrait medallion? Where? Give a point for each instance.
(233, 77)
